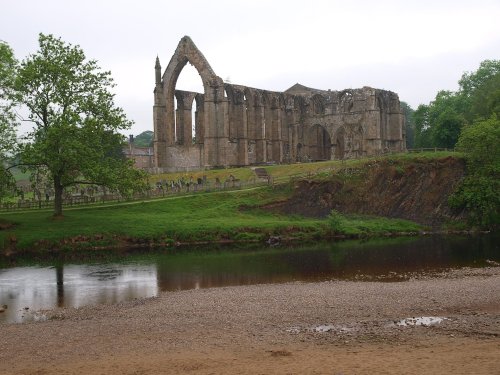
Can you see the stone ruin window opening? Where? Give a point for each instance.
(176, 130)
(189, 80)
(347, 102)
(193, 121)
(246, 114)
(319, 143)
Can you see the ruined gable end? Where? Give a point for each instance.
(236, 125)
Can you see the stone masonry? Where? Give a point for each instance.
(236, 125)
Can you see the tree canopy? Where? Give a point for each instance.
(8, 121)
(75, 137)
(439, 123)
(480, 191)
(145, 139)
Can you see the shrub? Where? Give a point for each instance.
(336, 220)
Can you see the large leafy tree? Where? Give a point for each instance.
(8, 122)
(471, 81)
(439, 123)
(485, 101)
(446, 117)
(75, 138)
(480, 90)
(479, 193)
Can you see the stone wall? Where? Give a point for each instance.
(143, 157)
(237, 125)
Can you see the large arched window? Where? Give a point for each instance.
(186, 108)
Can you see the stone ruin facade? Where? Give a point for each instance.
(236, 125)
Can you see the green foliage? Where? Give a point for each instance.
(439, 123)
(480, 91)
(7, 183)
(480, 191)
(486, 99)
(145, 139)
(8, 66)
(422, 127)
(75, 138)
(447, 127)
(336, 220)
(472, 81)
(8, 121)
(409, 125)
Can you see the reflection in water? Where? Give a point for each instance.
(72, 285)
(145, 275)
(60, 285)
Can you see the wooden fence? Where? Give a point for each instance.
(158, 191)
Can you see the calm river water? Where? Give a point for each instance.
(24, 290)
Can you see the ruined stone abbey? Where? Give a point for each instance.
(236, 125)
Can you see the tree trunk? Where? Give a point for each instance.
(58, 196)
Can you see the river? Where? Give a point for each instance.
(24, 290)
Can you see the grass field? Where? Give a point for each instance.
(200, 217)
(203, 217)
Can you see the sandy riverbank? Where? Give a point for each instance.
(267, 329)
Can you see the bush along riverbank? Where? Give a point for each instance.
(378, 197)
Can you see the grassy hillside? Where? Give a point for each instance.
(203, 217)
(282, 173)
(216, 216)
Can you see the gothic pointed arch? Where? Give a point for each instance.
(188, 52)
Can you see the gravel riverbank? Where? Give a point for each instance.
(337, 327)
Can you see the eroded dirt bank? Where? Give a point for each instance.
(416, 190)
(266, 329)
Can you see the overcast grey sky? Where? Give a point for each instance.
(413, 48)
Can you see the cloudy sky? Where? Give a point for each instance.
(413, 48)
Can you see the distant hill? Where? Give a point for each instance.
(145, 139)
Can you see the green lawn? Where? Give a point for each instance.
(201, 217)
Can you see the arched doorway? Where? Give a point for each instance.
(319, 143)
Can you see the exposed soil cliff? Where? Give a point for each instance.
(417, 190)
